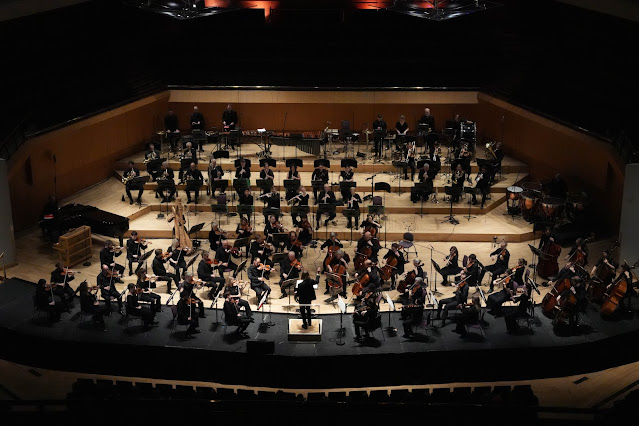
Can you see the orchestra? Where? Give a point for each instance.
(135, 308)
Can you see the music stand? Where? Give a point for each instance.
(343, 186)
(193, 231)
(164, 185)
(392, 331)
(452, 191)
(185, 163)
(221, 154)
(536, 254)
(242, 266)
(322, 162)
(246, 209)
(240, 185)
(222, 184)
(271, 162)
(437, 268)
(326, 208)
(349, 162)
(286, 284)
(265, 185)
(400, 167)
(470, 191)
(219, 210)
(268, 211)
(295, 162)
(350, 214)
(341, 331)
(279, 239)
(422, 189)
(264, 325)
(291, 185)
(191, 262)
(300, 211)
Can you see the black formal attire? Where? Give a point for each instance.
(319, 175)
(292, 272)
(134, 252)
(400, 137)
(374, 280)
(242, 173)
(584, 248)
(190, 154)
(129, 186)
(368, 320)
(258, 286)
(452, 268)
(330, 200)
(329, 243)
(431, 137)
(229, 116)
(215, 239)
(245, 200)
(458, 184)
(459, 298)
(194, 176)
(148, 296)
(197, 121)
(172, 129)
(513, 313)
(185, 317)
(305, 294)
(178, 262)
(306, 234)
(167, 174)
(399, 269)
(107, 258)
(473, 272)
(373, 244)
(107, 293)
(495, 300)
(264, 175)
(234, 316)
(499, 267)
(188, 289)
(153, 167)
(215, 174)
(291, 191)
(224, 256)
(346, 192)
(435, 163)
(295, 248)
(413, 315)
(423, 177)
(205, 273)
(483, 185)
(467, 315)
(379, 129)
(162, 275)
(303, 201)
(266, 252)
(134, 308)
(43, 299)
(64, 292)
(272, 202)
(352, 201)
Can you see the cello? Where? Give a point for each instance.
(602, 276)
(548, 266)
(360, 257)
(408, 281)
(617, 290)
(549, 302)
(362, 282)
(387, 270)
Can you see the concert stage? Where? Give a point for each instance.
(436, 356)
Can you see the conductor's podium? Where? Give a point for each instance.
(296, 333)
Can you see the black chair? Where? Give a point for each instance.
(481, 395)
(501, 395)
(266, 395)
(420, 395)
(145, 390)
(441, 395)
(315, 396)
(205, 393)
(524, 395)
(462, 395)
(337, 396)
(226, 394)
(246, 394)
(184, 392)
(399, 395)
(164, 390)
(378, 396)
(358, 396)
(124, 389)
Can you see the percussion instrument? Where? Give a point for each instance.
(578, 202)
(514, 192)
(531, 186)
(468, 130)
(550, 207)
(528, 202)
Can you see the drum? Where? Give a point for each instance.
(531, 186)
(550, 207)
(514, 192)
(528, 202)
(578, 202)
(468, 130)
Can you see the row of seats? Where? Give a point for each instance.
(88, 389)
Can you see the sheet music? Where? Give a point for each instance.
(391, 305)
(340, 304)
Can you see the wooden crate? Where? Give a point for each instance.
(74, 246)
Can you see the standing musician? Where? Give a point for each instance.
(177, 259)
(457, 122)
(197, 119)
(166, 173)
(49, 218)
(64, 292)
(255, 274)
(327, 196)
(366, 317)
(134, 250)
(429, 120)
(501, 256)
(305, 294)
(145, 283)
(354, 200)
(130, 173)
(293, 245)
(451, 267)
(319, 174)
(107, 255)
(229, 118)
(215, 173)
(151, 168)
(394, 252)
(44, 301)
(413, 310)
(300, 199)
(206, 272)
(260, 248)
(372, 243)
(557, 187)
(157, 266)
(580, 246)
(216, 235)
(193, 174)
(171, 128)
(410, 160)
(223, 257)
(469, 314)
(233, 316)
(511, 283)
(246, 199)
(379, 129)
(90, 305)
(189, 285)
(401, 128)
(185, 315)
(290, 268)
(483, 185)
(106, 283)
(305, 229)
(134, 308)
(458, 179)
(460, 297)
(267, 173)
(346, 175)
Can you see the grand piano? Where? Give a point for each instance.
(101, 222)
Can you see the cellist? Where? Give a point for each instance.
(579, 249)
(394, 253)
(337, 261)
(374, 280)
(413, 311)
(367, 241)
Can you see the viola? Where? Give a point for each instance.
(67, 271)
(549, 301)
(263, 267)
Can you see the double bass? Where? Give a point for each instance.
(565, 308)
(603, 275)
(616, 291)
(548, 266)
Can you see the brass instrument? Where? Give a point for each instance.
(490, 152)
(152, 156)
(128, 176)
(457, 176)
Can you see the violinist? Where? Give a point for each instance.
(244, 230)
(369, 225)
(145, 283)
(354, 200)
(64, 292)
(272, 227)
(338, 259)
(246, 199)
(216, 235)
(290, 268)
(130, 173)
(44, 301)
(418, 269)
(367, 241)
(134, 247)
(223, 257)
(107, 255)
(326, 197)
(106, 283)
(346, 175)
(166, 173)
(255, 274)
(458, 178)
(177, 259)
(152, 167)
(413, 312)
(305, 229)
(366, 318)
(260, 248)
(305, 294)
(293, 245)
(320, 174)
(451, 267)
(134, 308)
(501, 256)
(460, 297)
(581, 248)
(472, 270)
(206, 272)
(483, 185)
(90, 305)
(395, 253)
(468, 314)
(513, 313)
(159, 270)
(193, 175)
(301, 199)
(189, 285)
(185, 315)
(215, 173)
(514, 279)
(234, 316)
(374, 280)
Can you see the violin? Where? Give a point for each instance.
(116, 249)
(165, 255)
(110, 273)
(263, 267)
(49, 286)
(142, 241)
(67, 271)
(278, 227)
(219, 232)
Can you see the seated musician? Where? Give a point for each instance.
(232, 289)
(305, 231)
(472, 270)
(290, 269)
(293, 245)
(606, 262)
(256, 276)
(152, 167)
(272, 200)
(394, 252)
(352, 202)
(372, 243)
(160, 271)
(483, 185)
(413, 310)
(260, 248)
(49, 219)
(337, 259)
(216, 235)
(215, 174)
(186, 316)
(135, 248)
(501, 256)
(301, 199)
(379, 129)
(166, 173)
(292, 174)
(90, 305)
(189, 286)
(223, 256)
(326, 197)
(244, 230)
(320, 174)
(428, 119)
(458, 178)
(332, 242)
(206, 272)
(107, 255)
(134, 308)
(267, 173)
(145, 283)
(193, 175)
(374, 278)
(64, 291)
(229, 118)
(369, 225)
(435, 159)
(45, 302)
(242, 172)
(581, 247)
(189, 153)
(568, 271)
(425, 175)
(468, 314)
(418, 268)
(577, 287)
(177, 259)
(410, 160)
(513, 313)
(131, 173)
(234, 316)
(171, 128)
(346, 175)
(106, 283)
(401, 130)
(366, 318)
(460, 297)
(451, 267)
(245, 199)
(305, 294)
(271, 228)
(516, 279)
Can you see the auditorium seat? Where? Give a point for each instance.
(104, 389)
(337, 396)
(266, 396)
(399, 395)
(205, 393)
(420, 395)
(524, 395)
(164, 390)
(124, 389)
(225, 394)
(481, 395)
(83, 388)
(245, 394)
(500, 395)
(440, 396)
(462, 395)
(315, 396)
(183, 392)
(378, 396)
(287, 396)
(145, 390)
(358, 396)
